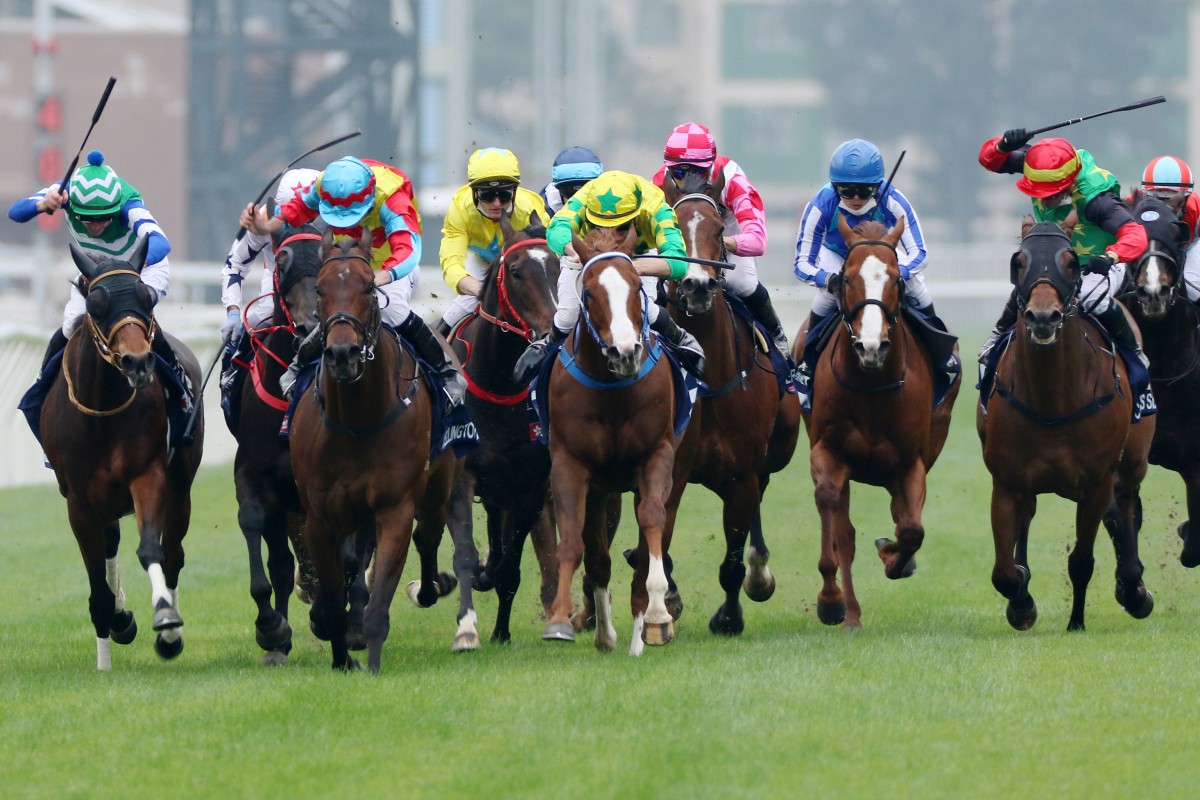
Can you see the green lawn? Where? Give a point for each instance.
(935, 697)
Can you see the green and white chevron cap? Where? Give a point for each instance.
(95, 190)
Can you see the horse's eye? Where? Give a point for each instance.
(98, 302)
(146, 296)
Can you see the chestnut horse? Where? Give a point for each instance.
(612, 409)
(872, 419)
(1058, 421)
(1170, 326)
(104, 426)
(509, 469)
(360, 452)
(743, 430)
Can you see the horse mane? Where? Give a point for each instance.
(695, 183)
(534, 230)
(871, 229)
(603, 240)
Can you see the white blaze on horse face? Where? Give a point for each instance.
(874, 277)
(693, 226)
(1153, 283)
(624, 335)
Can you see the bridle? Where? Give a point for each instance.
(367, 332)
(586, 316)
(849, 315)
(103, 342)
(508, 311)
(718, 280)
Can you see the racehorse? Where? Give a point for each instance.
(612, 409)
(1170, 326)
(509, 469)
(1058, 420)
(743, 430)
(360, 452)
(105, 430)
(872, 419)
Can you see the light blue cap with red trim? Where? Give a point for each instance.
(346, 192)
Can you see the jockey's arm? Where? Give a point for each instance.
(157, 272)
(747, 206)
(1107, 212)
(255, 220)
(452, 254)
(993, 159)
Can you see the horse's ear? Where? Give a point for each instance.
(581, 250)
(631, 239)
(893, 236)
(717, 187)
(84, 262)
(326, 241)
(364, 239)
(1026, 225)
(844, 228)
(506, 228)
(138, 259)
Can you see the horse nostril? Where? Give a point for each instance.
(1056, 317)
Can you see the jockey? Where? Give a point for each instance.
(691, 148)
(471, 230)
(1169, 179)
(855, 177)
(242, 253)
(572, 168)
(106, 217)
(1058, 179)
(617, 200)
(352, 195)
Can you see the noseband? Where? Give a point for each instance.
(367, 332)
(104, 340)
(507, 309)
(1047, 270)
(848, 315)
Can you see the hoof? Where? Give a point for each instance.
(356, 640)
(658, 633)
(501, 636)
(905, 572)
(630, 557)
(483, 581)
(275, 638)
(674, 604)
(558, 632)
(1138, 609)
(831, 613)
(166, 618)
(274, 658)
(317, 629)
(124, 628)
(1021, 618)
(725, 623)
(350, 666)
(168, 650)
(465, 642)
(583, 621)
(1190, 555)
(446, 583)
(759, 590)
(413, 590)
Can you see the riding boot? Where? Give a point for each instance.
(443, 328)
(1117, 325)
(430, 350)
(306, 353)
(1008, 318)
(759, 304)
(58, 341)
(682, 344)
(531, 360)
(162, 348)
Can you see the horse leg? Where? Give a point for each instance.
(327, 617)
(569, 484)
(394, 530)
(123, 629)
(585, 618)
(356, 558)
(254, 517)
(281, 565)
(1190, 534)
(1131, 592)
(759, 583)
(466, 561)
(1011, 514)
(597, 563)
(1082, 561)
(485, 576)
(90, 536)
(652, 622)
(545, 543)
(162, 516)
(305, 581)
(832, 494)
(908, 499)
(517, 525)
(740, 512)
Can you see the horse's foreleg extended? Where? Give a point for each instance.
(740, 513)
(832, 493)
(1011, 515)
(597, 563)
(569, 483)
(160, 550)
(327, 616)
(1131, 592)
(393, 535)
(1188, 530)
(1082, 561)
(466, 560)
(90, 536)
(908, 499)
(649, 587)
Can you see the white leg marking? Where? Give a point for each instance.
(606, 634)
(467, 624)
(656, 587)
(103, 653)
(171, 635)
(158, 586)
(874, 276)
(113, 576)
(636, 645)
(625, 336)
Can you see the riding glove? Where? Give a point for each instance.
(1100, 264)
(1013, 139)
(232, 328)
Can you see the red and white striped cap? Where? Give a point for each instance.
(690, 143)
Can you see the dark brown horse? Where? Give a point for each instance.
(104, 427)
(872, 419)
(1170, 326)
(360, 453)
(1058, 421)
(509, 469)
(612, 410)
(743, 430)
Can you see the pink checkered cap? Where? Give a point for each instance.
(690, 143)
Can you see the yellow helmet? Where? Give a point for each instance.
(613, 199)
(493, 166)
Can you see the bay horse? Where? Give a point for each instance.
(1170, 326)
(1058, 421)
(872, 419)
(105, 430)
(743, 430)
(360, 453)
(612, 409)
(510, 468)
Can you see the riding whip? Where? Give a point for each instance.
(242, 231)
(888, 183)
(112, 81)
(1149, 101)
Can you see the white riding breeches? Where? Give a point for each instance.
(916, 295)
(464, 305)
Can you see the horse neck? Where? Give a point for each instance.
(97, 383)
(281, 343)
(1170, 342)
(1060, 378)
(374, 394)
(726, 342)
(493, 354)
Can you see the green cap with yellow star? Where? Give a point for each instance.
(613, 199)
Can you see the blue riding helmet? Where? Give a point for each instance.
(856, 161)
(576, 164)
(347, 192)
